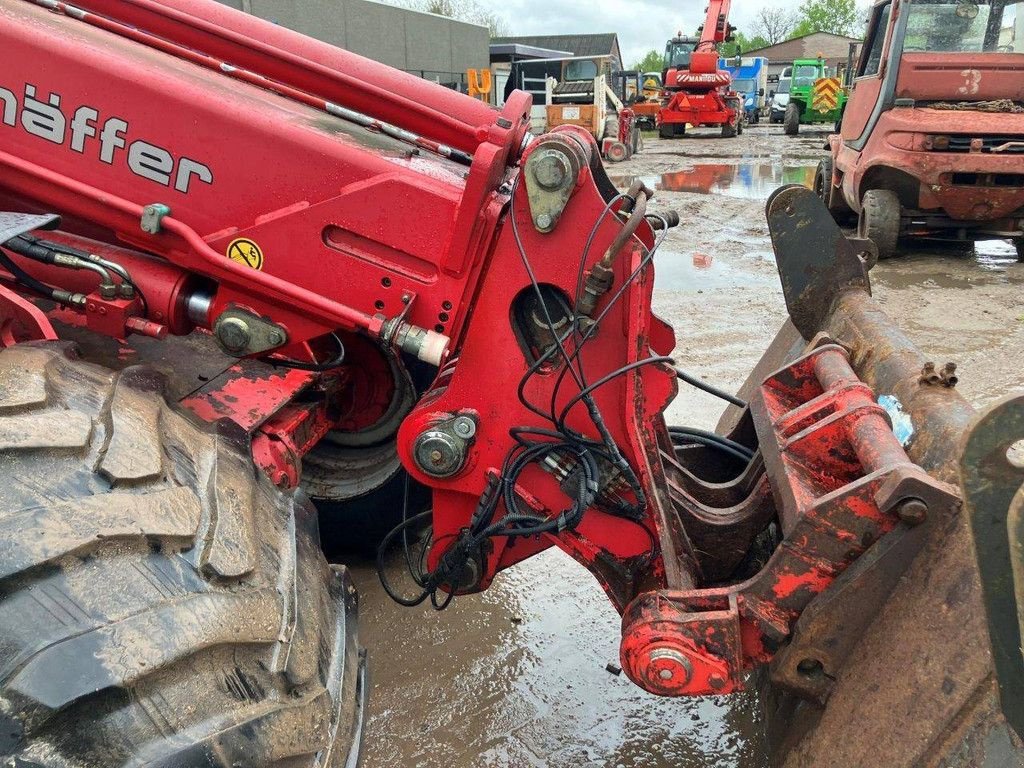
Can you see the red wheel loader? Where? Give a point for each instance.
(260, 296)
(932, 139)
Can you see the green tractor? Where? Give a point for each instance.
(815, 96)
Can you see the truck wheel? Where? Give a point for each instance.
(1020, 248)
(617, 152)
(671, 130)
(880, 220)
(791, 120)
(728, 130)
(823, 181)
(161, 602)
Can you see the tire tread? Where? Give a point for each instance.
(161, 602)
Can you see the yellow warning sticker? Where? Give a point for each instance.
(246, 252)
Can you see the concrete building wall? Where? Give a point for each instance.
(430, 46)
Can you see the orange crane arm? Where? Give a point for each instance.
(716, 27)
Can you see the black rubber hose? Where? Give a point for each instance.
(26, 279)
(711, 390)
(704, 437)
(692, 439)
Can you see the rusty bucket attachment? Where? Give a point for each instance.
(875, 571)
(992, 476)
(846, 495)
(901, 633)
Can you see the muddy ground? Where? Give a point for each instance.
(517, 676)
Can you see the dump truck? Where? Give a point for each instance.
(932, 140)
(815, 96)
(259, 294)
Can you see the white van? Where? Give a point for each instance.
(780, 96)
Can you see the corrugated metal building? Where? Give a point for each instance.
(434, 47)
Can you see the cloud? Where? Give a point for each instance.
(641, 25)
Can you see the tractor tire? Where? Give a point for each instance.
(791, 120)
(162, 603)
(728, 130)
(880, 220)
(739, 128)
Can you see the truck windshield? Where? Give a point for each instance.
(806, 74)
(743, 86)
(783, 86)
(966, 26)
(677, 53)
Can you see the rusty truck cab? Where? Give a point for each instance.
(935, 120)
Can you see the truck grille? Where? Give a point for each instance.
(1011, 145)
(987, 179)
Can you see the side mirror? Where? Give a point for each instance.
(771, 94)
(760, 91)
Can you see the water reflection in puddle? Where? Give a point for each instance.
(746, 180)
(990, 262)
(676, 271)
(995, 255)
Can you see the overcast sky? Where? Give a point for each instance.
(641, 24)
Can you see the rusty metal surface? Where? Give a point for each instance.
(841, 483)
(919, 682)
(993, 487)
(802, 231)
(830, 627)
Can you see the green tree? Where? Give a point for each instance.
(741, 44)
(839, 17)
(653, 61)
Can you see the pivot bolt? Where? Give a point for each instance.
(276, 337)
(544, 221)
(439, 454)
(912, 511)
(551, 170)
(234, 334)
(670, 664)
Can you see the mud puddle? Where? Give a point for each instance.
(746, 180)
(517, 677)
(989, 262)
(688, 272)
